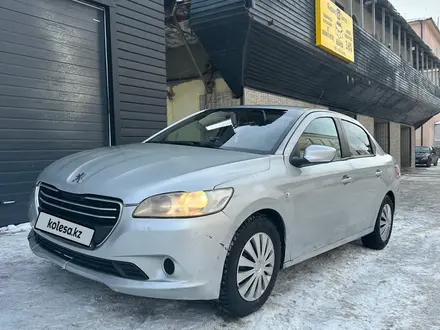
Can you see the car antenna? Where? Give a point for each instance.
(319, 99)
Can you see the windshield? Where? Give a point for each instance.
(423, 149)
(251, 130)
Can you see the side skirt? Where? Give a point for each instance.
(327, 248)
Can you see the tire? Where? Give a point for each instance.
(375, 240)
(436, 163)
(428, 164)
(231, 301)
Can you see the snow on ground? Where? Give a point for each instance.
(13, 229)
(347, 288)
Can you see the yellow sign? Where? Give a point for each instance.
(334, 30)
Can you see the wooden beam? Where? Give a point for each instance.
(411, 59)
(399, 36)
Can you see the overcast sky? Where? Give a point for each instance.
(411, 9)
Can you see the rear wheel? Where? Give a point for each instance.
(251, 267)
(436, 163)
(381, 235)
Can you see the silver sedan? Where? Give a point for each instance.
(214, 206)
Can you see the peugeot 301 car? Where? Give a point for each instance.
(215, 205)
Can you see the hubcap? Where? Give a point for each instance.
(386, 220)
(255, 267)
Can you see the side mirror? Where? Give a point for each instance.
(315, 154)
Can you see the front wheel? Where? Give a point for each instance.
(436, 163)
(251, 267)
(428, 164)
(381, 235)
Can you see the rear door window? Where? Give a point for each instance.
(358, 141)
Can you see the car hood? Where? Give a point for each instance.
(422, 154)
(134, 172)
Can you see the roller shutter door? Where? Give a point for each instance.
(53, 91)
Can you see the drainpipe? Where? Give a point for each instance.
(182, 37)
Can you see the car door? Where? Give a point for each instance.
(368, 187)
(316, 194)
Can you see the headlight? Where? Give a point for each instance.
(184, 204)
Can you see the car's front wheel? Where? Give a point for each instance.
(251, 267)
(380, 237)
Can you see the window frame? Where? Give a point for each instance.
(339, 131)
(347, 152)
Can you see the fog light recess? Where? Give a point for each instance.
(168, 266)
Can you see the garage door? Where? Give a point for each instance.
(53, 98)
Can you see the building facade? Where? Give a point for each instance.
(272, 58)
(429, 32)
(74, 75)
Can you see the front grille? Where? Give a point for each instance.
(116, 268)
(95, 212)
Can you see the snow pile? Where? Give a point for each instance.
(13, 229)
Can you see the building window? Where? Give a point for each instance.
(339, 5)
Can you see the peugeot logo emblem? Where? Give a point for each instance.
(79, 177)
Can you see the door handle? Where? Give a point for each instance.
(346, 179)
(378, 173)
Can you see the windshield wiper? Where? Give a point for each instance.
(190, 143)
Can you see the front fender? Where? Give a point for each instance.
(240, 209)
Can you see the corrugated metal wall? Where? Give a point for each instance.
(140, 36)
(272, 48)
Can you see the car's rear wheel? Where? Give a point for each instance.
(436, 163)
(381, 235)
(251, 267)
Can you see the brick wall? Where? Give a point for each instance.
(368, 122)
(254, 97)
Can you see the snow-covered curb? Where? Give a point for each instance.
(13, 229)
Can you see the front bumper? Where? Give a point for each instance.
(422, 161)
(197, 247)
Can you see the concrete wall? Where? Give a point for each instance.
(395, 141)
(254, 97)
(432, 38)
(188, 97)
(413, 149)
(368, 122)
(428, 132)
(430, 34)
